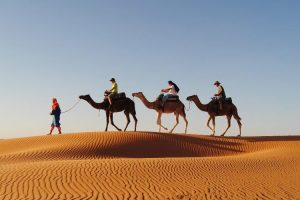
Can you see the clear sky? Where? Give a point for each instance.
(67, 48)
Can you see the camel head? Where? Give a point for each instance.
(137, 94)
(85, 97)
(191, 98)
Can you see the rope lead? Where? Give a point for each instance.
(72, 107)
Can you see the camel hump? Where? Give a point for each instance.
(228, 100)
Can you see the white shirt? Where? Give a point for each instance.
(171, 90)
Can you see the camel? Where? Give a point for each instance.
(126, 105)
(212, 109)
(176, 107)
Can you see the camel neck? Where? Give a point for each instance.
(148, 104)
(94, 104)
(200, 105)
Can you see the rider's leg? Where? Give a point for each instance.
(220, 101)
(109, 99)
(221, 104)
(164, 99)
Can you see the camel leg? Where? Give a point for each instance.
(208, 121)
(128, 120)
(107, 120)
(135, 121)
(240, 126)
(177, 122)
(112, 121)
(186, 122)
(238, 119)
(228, 124)
(159, 122)
(214, 124)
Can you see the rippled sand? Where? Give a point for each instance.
(146, 165)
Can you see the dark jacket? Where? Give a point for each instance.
(56, 112)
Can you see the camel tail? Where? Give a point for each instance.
(183, 110)
(235, 114)
(134, 112)
(238, 119)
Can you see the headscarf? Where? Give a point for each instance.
(54, 104)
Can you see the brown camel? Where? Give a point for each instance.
(229, 109)
(176, 107)
(126, 105)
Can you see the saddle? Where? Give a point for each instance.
(216, 104)
(117, 97)
(225, 101)
(171, 98)
(159, 99)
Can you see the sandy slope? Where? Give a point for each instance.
(149, 166)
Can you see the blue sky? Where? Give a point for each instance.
(67, 48)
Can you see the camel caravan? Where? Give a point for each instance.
(167, 102)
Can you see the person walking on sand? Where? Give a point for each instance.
(56, 116)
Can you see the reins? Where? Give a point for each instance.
(189, 107)
(99, 113)
(72, 107)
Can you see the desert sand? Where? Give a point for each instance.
(147, 165)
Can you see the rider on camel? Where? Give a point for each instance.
(112, 92)
(220, 96)
(171, 91)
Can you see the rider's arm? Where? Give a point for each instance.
(167, 89)
(114, 86)
(219, 91)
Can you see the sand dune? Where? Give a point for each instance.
(145, 165)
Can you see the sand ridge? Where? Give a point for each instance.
(147, 165)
